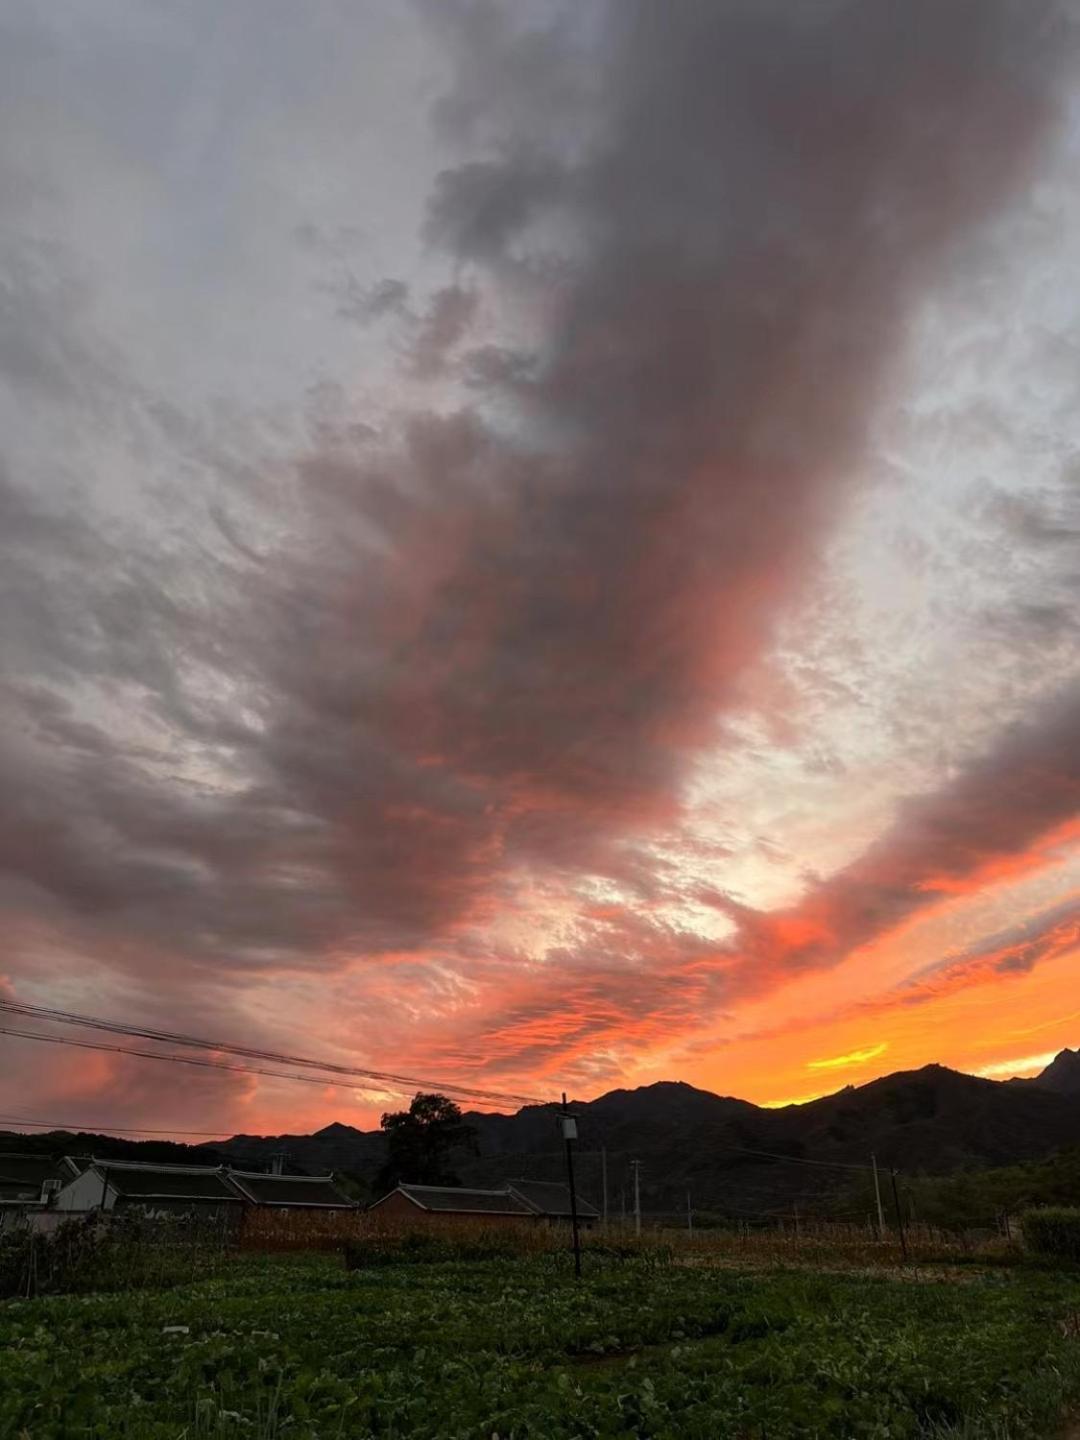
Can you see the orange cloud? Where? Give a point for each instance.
(854, 1057)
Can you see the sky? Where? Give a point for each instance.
(539, 545)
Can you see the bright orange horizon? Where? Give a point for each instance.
(536, 554)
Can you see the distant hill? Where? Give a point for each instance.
(1062, 1074)
(736, 1157)
(731, 1156)
(111, 1147)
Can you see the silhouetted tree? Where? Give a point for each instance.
(420, 1141)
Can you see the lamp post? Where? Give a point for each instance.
(570, 1134)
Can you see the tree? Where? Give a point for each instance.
(420, 1140)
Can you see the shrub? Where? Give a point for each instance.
(421, 1247)
(271, 1230)
(123, 1251)
(1054, 1231)
(410, 1245)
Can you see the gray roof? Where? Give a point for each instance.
(456, 1200)
(22, 1176)
(296, 1191)
(550, 1197)
(167, 1182)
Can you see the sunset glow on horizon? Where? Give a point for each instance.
(540, 547)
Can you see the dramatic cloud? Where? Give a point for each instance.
(392, 667)
(1003, 816)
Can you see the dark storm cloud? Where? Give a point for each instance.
(751, 196)
(367, 303)
(441, 329)
(499, 640)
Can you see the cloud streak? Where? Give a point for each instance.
(387, 684)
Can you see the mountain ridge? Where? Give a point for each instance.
(728, 1154)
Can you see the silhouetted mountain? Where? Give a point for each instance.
(734, 1156)
(111, 1147)
(1062, 1074)
(731, 1156)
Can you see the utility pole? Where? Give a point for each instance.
(899, 1217)
(877, 1197)
(689, 1215)
(569, 1130)
(603, 1180)
(636, 1167)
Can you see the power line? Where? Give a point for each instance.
(115, 1027)
(175, 1059)
(733, 1149)
(87, 1128)
(796, 1159)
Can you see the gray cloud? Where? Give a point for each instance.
(493, 637)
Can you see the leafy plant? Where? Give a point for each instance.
(300, 1347)
(1053, 1231)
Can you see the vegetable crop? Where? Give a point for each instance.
(288, 1346)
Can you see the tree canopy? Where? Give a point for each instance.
(421, 1140)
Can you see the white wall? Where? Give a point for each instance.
(85, 1193)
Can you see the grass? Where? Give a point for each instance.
(296, 1346)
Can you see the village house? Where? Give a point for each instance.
(289, 1192)
(155, 1190)
(443, 1203)
(209, 1191)
(518, 1201)
(550, 1200)
(28, 1183)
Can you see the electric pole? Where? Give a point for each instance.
(636, 1167)
(569, 1130)
(899, 1217)
(689, 1215)
(877, 1197)
(603, 1180)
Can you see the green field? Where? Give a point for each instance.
(299, 1347)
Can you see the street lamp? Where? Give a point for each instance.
(570, 1134)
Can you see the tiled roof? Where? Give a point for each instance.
(456, 1200)
(167, 1182)
(22, 1176)
(293, 1190)
(550, 1197)
(18, 1192)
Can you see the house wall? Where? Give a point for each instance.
(87, 1192)
(398, 1209)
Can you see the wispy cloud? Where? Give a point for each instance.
(854, 1057)
(373, 589)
